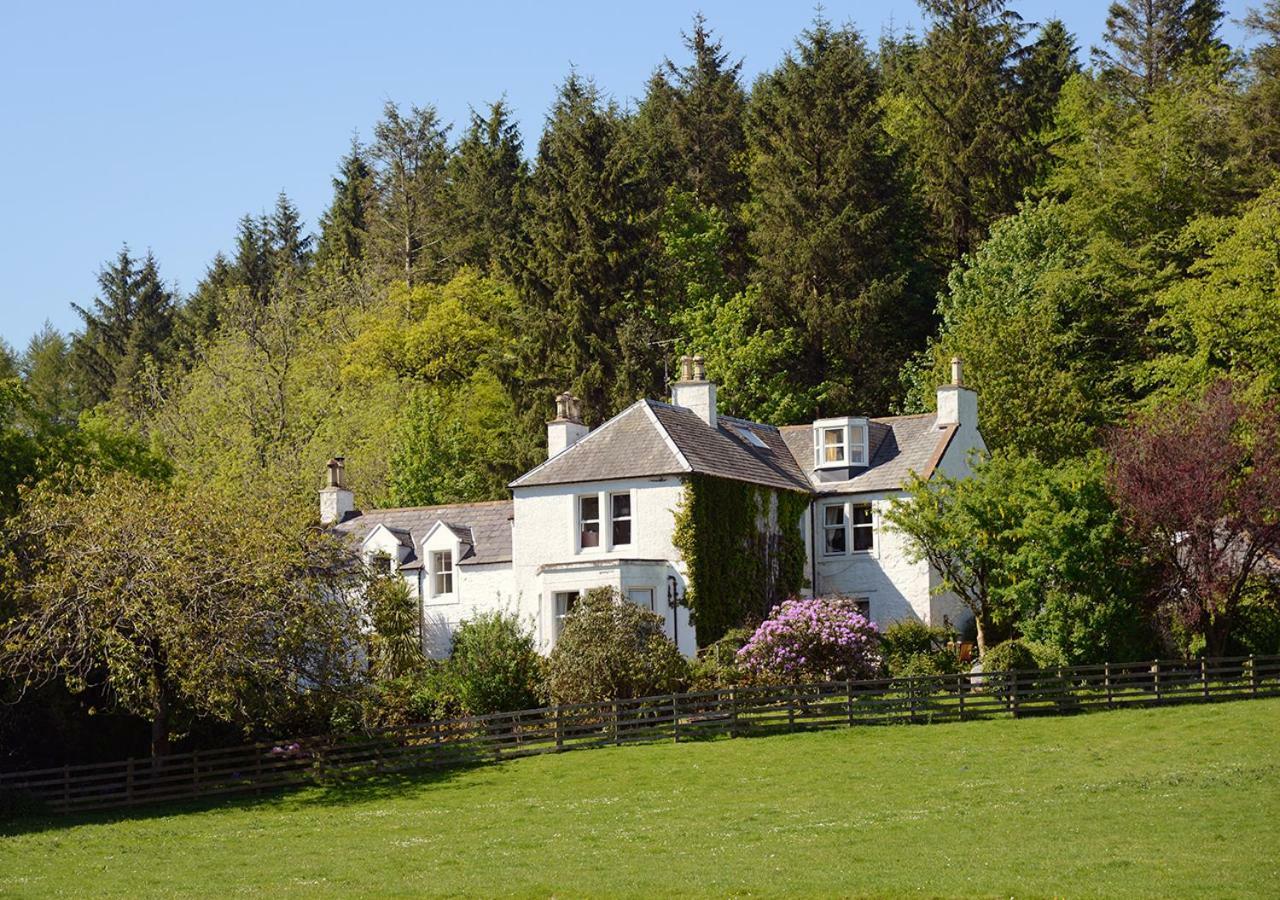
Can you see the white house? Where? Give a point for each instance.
(600, 511)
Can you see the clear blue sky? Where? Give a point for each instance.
(160, 124)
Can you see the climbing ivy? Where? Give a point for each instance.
(737, 566)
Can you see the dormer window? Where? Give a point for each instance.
(441, 573)
(839, 443)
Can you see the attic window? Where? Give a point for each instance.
(839, 443)
(751, 438)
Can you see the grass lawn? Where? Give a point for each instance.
(1172, 802)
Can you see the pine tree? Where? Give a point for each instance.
(695, 114)
(487, 183)
(1262, 101)
(344, 227)
(127, 326)
(48, 376)
(1148, 39)
(252, 261)
(833, 228)
(965, 124)
(410, 226)
(289, 247)
(1043, 70)
(591, 233)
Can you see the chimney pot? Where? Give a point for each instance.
(957, 371)
(699, 368)
(336, 502)
(686, 368)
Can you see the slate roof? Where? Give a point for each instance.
(650, 438)
(899, 445)
(483, 528)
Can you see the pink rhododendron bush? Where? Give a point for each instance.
(822, 639)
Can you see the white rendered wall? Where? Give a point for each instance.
(547, 559)
(897, 588)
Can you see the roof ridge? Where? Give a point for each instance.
(458, 505)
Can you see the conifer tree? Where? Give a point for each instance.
(695, 115)
(833, 230)
(344, 226)
(48, 377)
(410, 226)
(591, 231)
(1262, 100)
(966, 126)
(289, 247)
(128, 324)
(1147, 39)
(487, 182)
(1042, 71)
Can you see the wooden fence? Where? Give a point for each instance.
(733, 712)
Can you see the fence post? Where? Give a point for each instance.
(613, 722)
(128, 782)
(195, 773)
(911, 699)
(1253, 675)
(1013, 693)
(791, 709)
(559, 729)
(848, 687)
(1204, 678)
(733, 712)
(960, 692)
(675, 719)
(1106, 680)
(257, 770)
(1156, 669)
(66, 786)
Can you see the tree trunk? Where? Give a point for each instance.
(159, 716)
(982, 625)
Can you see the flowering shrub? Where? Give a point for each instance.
(812, 640)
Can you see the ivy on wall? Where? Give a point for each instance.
(743, 551)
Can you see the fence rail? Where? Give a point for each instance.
(734, 712)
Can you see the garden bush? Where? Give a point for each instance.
(612, 649)
(717, 665)
(911, 647)
(1010, 656)
(494, 666)
(812, 640)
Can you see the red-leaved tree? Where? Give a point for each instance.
(1199, 485)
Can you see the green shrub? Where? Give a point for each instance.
(493, 665)
(612, 649)
(717, 664)
(941, 662)
(1010, 656)
(911, 647)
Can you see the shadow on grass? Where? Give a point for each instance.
(331, 792)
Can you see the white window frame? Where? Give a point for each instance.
(851, 528)
(869, 526)
(629, 518)
(652, 605)
(843, 507)
(855, 436)
(579, 522)
(557, 616)
(438, 571)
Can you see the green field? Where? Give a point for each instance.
(1171, 802)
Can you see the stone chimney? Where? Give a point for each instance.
(336, 502)
(957, 405)
(693, 391)
(566, 429)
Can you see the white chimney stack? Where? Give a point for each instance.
(693, 391)
(566, 429)
(336, 502)
(957, 405)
